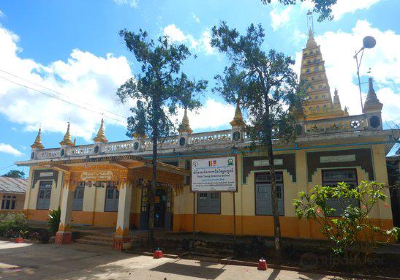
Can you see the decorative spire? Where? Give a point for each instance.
(38, 142)
(67, 138)
(238, 118)
(336, 101)
(311, 41)
(372, 102)
(101, 137)
(185, 125)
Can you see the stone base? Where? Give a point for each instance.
(63, 237)
(119, 242)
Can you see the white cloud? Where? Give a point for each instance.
(213, 115)
(2, 15)
(203, 44)
(338, 49)
(174, 33)
(85, 79)
(279, 17)
(132, 3)
(195, 18)
(8, 149)
(350, 6)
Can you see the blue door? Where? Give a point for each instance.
(44, 195)
(77, 204)
(112, 197)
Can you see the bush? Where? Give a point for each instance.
(54, 220)
(12, 224)
(349, 228)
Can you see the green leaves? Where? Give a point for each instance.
(322, 7)
(160, 88)
(347, 225)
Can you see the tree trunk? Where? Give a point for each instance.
(275, 210)
(152, 191)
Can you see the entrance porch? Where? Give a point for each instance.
(115, 195)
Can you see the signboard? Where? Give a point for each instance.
(265, 162)
(97, 176)
(214, 174)
(344, 158)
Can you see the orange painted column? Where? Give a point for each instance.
(124, 209)
(64, 234)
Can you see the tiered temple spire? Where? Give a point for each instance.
(372, 102)
(101, 137)
(238, 118)
(319, 104)
(185, 125)
(67, 138)
(38, 141)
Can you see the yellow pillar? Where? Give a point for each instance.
(64, 235)
(302, 186)
(124, 210)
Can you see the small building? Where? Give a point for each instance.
(106, 184)
(12, 194)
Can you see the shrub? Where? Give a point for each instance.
(54, 220)
(12, 223)
(349, 227)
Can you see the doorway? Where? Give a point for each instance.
(160, 202)
(162, 208)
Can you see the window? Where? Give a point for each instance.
(77, 204)
(332, 178)
(9, 202)
(44, 195)
(316, 97)
(323, 97)
(209, 203)
(264, 195)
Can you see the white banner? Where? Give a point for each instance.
(214, 174)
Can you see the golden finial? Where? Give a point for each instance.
(101, 137)
(67, 138)
(372, 102)
(185, 125)
(238, 118)
(38, 142)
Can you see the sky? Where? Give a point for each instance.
(63, 60)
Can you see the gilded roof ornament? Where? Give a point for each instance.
(67, 138)
(101, 137)
(238, 118)
(372, 102)
(311, 41)
(38, 141)
(185, 125)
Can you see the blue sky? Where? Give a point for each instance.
(73, 48)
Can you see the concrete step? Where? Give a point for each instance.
(94, 242)
(98, 238)
(209, 250)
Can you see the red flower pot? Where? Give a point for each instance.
(18, 240)
(262, 264)
(158, 254)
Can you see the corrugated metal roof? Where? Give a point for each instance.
(13, 185)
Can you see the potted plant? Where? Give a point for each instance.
(21, 236)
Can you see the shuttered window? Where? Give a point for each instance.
(8, 202)
(333, 178)
(264, 194)
(209, 203)
(44, 195)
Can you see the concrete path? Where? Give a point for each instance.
(81, 262)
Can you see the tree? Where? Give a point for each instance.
(349, 226)
(322, 7)
(15, 174)
(159, 90)
(266, 87)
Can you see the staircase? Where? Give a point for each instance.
(138, 239)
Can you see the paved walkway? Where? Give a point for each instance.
(77, 261)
